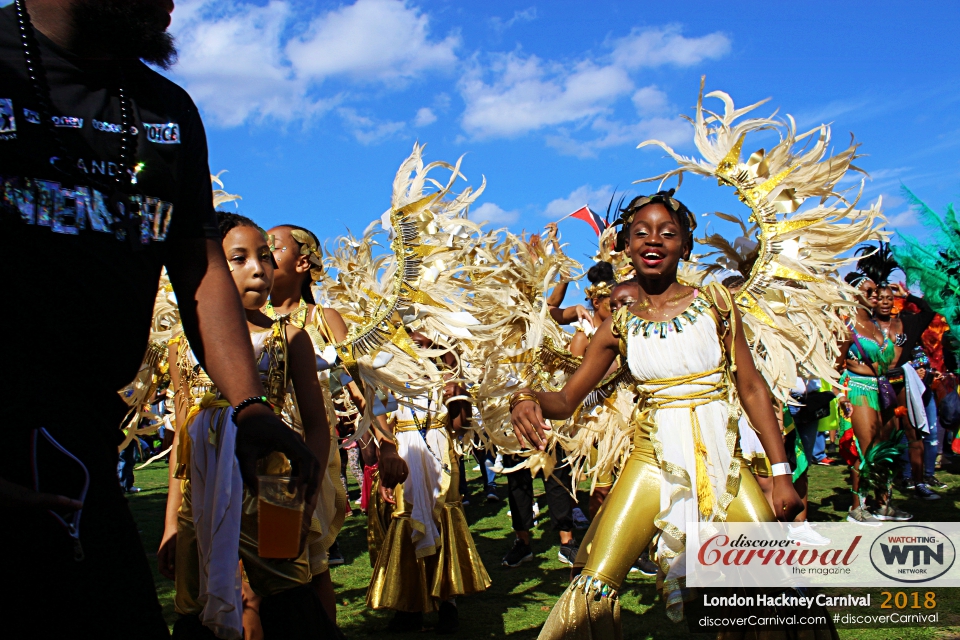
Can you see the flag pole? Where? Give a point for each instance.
(586, 206)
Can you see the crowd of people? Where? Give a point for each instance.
(689, 391)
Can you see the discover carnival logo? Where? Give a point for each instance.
(842, 554)
(912, 553)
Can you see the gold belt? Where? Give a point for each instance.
(411, 425)
(649, 401)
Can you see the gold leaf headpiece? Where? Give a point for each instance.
(600, 290)
(308, 247)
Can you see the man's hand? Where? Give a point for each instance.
(786, 502)
(15, 495)
(393, 469)
(167, 555)
(259, 433)
(529, 425)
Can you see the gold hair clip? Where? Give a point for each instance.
(600, 290)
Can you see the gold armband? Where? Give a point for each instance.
(522, 396)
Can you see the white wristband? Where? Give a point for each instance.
(781, 469)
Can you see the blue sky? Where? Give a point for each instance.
(311, 106)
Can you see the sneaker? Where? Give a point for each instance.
(862, 516)
(579, 520)
(826, 462)
(933, 483)
(492, 497)
(905, 484)
(134, 490)
(334, 556)
(520, 553)
(922, 492)
(448, 620)
(465, 501)
(890, 512)
(406, 622)
(568, 553)
(477, 468)
(644, 565)
(804, 534)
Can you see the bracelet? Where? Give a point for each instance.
(522, 396)
(781, 469)
(246, 403)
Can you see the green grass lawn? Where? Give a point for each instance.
(520, 599)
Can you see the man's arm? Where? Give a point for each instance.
(214, 323)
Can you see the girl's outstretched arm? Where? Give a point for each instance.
(528, 416)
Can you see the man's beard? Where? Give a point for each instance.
(126, 29)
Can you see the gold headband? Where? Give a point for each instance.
(308, 247)
(600, 290)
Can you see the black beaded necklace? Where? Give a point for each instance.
(63, 161)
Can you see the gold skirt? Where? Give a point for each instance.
(404, 582)
(379, 515)
(266, 576)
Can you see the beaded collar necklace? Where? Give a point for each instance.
(63, 162)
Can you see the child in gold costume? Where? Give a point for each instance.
(698, 354)
(681, 345)
(427, 556)
(212, 520)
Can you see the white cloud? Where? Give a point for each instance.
(424, 117)
(906, 218)
(527, 15)
(509, 95)
(381, 40)
(611, 133)
(495, 215)
(367, 130)
(666, 45)
(598, 199)
(527, 94)
(650, 101)
(239, 63)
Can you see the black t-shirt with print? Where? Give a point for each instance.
(82, 278)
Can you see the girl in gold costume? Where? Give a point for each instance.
(300, 264)
(211, 519)
(427, 557)
(687, 351)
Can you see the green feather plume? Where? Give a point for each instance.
(934, 262)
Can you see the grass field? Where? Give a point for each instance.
(520, 599)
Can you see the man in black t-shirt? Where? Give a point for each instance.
(103, 180)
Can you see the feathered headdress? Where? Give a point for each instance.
(877, 262)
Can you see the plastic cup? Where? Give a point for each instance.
(279, 514)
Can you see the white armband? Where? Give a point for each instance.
(781, 469)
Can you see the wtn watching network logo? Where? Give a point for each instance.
(912, 553)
